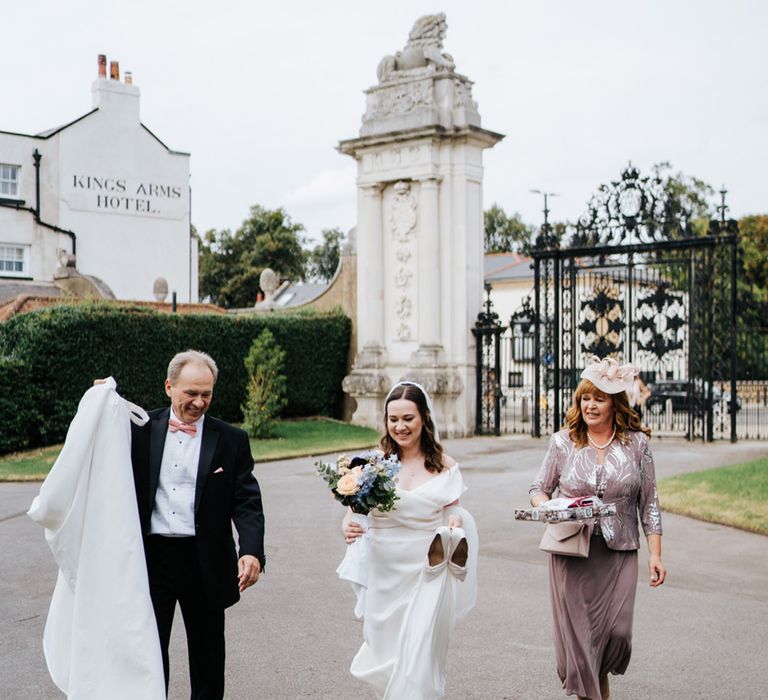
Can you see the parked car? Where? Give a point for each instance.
(686, 396)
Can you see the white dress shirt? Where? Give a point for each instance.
(174, 511)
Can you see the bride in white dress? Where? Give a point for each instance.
(421, 559)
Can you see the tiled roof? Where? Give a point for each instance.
(507, 266)
(298, 294)
(12, 288)
(25, 302)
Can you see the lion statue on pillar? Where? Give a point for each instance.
(423, 50)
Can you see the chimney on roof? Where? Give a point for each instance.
(109, 94)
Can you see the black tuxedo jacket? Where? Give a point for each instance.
(226, 492)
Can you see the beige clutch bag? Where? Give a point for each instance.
(569, 539)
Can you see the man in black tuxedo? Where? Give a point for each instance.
(193, 477)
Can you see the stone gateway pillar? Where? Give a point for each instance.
(419, 233)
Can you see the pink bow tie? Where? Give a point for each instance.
(174, 426)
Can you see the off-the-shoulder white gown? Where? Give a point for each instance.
(409, 617)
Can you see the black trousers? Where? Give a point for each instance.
(174, 576)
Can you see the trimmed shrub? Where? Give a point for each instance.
(18, 408)
(66, 347)
(266, 386)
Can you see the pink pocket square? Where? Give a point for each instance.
(219, 471)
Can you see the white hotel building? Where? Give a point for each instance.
(105, 189)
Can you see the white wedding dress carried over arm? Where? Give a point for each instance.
(100, 639)
(409, 614)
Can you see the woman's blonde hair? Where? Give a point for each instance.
(624, 418)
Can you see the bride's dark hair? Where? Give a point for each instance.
(431, 448)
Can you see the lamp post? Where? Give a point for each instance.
(545, 238)
(547, 195)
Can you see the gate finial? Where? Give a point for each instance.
(723, 206)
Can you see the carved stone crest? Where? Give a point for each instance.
(400, 99)
(403, 217)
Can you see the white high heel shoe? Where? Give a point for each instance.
(458, 553)
(437, 556)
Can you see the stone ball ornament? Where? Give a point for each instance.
(268, 281)
(160, 288)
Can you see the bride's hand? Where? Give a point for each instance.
(454, 521)
(351, 530)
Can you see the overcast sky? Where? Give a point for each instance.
(260, 93)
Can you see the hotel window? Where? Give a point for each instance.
(9, 180)
(14, 261)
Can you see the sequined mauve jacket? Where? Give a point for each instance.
(628, 479)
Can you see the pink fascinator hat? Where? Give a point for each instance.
(608, 375)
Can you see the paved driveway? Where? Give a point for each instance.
(701, 635)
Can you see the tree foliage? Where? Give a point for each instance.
(324, 257)
(752, 290)
(754, 245)
(505, 234)
(692, 195)
(686, 195)
(265, 364)
(230, 264)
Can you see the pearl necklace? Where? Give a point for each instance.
(601, 447)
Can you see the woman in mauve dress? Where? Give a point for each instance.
(603, 451)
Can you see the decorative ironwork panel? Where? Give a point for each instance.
(487, 332)
(602, 325)
(630, 210)
(661, 320)
(632, 280)
(548, 345)
(566, 360)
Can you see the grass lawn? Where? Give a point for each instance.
(296, 438)
(735, 495)
(32, 465)
(300, 438)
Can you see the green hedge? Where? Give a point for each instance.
(64, 348)
(18, 408)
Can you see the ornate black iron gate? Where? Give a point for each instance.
(487, 332)
(632, 280)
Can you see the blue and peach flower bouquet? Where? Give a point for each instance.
(364, 482)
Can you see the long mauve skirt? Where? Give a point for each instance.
(593, 601)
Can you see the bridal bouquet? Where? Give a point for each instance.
(364, 482)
